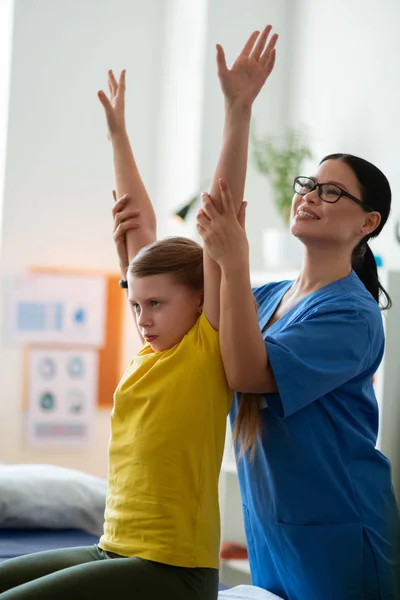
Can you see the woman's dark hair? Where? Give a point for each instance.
(376, 193)
(178, 256)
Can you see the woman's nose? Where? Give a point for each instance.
(312, 197)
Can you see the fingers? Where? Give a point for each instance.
(209, 211)
(105, 101)
(202, 219)
(270, 64)
(112, 82)
(110, 89)
(122, 78)
(126, 220)
(119, 204)
(242, 215)
(269, 53)
(201, 230)
(120, 231)
(208, 206)
(248, 47)
(260, 45)
(221, 61)
(203, 222)
(125, 215)
(226, 196)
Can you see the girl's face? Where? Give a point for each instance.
(165, 310)
(342, 224)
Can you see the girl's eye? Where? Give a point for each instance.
(136, 307)
(154, 303)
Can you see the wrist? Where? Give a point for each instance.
(236, 267)
(119, 135)
(234, 110)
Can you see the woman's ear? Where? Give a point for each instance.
(372, 221)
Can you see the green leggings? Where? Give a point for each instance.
(87, 573)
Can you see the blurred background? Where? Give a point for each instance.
(336, 78)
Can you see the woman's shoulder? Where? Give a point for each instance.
(348, 296)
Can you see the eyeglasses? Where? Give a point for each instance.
(328, 192)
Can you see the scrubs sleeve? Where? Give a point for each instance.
(315, 356)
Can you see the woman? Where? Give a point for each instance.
(320, 514)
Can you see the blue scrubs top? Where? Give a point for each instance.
(320, 514)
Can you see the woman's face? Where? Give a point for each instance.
(342, 224)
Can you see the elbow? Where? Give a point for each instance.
(251, 382)
(234, 384)
(237, 377)
(240, 382)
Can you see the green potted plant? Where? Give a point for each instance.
(279, 159)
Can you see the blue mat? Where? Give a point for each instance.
(16, 542)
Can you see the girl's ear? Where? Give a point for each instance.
(201, 302)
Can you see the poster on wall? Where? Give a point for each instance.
(45, 308)
(62, 396)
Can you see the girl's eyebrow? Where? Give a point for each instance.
(149, 299)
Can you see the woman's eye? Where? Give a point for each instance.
(306, 186)
(331, 191)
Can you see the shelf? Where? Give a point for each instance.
(237, 564)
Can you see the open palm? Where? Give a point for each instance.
(242, 83)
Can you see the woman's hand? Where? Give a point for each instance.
(223, 233)
(124, 219)
(242, 83)
(114, 107)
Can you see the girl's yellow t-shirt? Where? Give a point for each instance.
(167, 440)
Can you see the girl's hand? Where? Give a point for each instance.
(242, 83)
(124, 219)
(223, 232)
(114, 107)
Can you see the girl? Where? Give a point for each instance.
(161, 531)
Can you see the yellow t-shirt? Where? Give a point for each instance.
(167, 439)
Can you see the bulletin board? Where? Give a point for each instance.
(108, 353)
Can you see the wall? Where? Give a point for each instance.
(58, 183)
(345, 87)
(230, 24)
(180, 114)
(6, 28)
(190, 136)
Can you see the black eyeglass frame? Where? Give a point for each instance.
(317, 186)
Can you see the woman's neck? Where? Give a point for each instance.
(321, 266)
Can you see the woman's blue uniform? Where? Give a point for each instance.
(319, 508)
